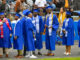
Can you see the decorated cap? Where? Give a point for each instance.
(79, 13)
(25, 11)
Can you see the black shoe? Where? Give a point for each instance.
(24, 54)
(34, 53)
(39, 53)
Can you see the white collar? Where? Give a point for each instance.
(28, 17)
(18, 20)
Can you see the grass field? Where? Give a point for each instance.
(76, 58)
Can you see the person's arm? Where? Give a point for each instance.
(1, 23)
(42, 25)
(78, 27)
(17, 30)
(55, 23)
(30, 25)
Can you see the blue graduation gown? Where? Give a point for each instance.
(69, 40)
(29, 40)
(18, 44)
(79, 31)
(23, 28)
(38, 42)
(50, 40)
(5, 42)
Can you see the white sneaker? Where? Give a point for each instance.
(32, 56)
(27, 56)
(67, 54)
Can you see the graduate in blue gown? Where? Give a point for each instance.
(51, 24)
(79, 28)
(18, 36)
(39, 25)
(23, 21)
(68, 33)
(24, 17)
(29, 29)
(5, 34)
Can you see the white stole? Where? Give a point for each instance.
(36, 23)
(66, 24)
(50, 24)
(15, 25)
(61, 18)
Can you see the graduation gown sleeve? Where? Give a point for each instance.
(11, 31)
(55, 23)
(41, 24)
(78, 26)
(79, 31)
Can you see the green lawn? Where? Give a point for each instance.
(78, 58)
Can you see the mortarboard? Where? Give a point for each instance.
(36, 10)
(29, 12)
(25, 11)
(79, 13)
(17, 14)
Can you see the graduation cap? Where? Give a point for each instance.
(68, 13)
(2, 13)
(29, 12)
(79, 13)
(25, 11)
(49, 7)
(17, 14)
(36, 10)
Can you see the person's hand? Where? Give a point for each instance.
(41, 33)
(64, 31)
(1, 23)
(60, 36)
(46, 25)
(3, 20)
(15, 37)
(34, 36)
(10, 35)
(50, 27)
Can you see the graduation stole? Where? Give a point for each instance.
(15, 25)
(66, 24)
(51, 22)
(1, 26)
(63, 17)
(36, 23)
